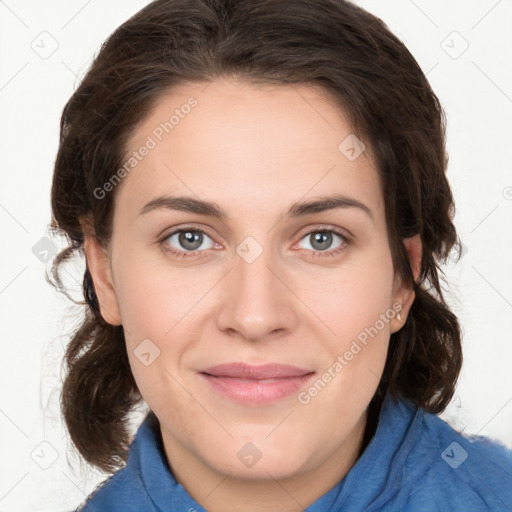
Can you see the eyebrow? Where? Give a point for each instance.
(299, 209)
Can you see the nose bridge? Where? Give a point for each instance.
(256, 302)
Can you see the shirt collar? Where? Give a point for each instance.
(399, 420)
(369, 483)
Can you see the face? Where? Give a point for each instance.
(259, 336)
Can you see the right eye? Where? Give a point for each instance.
(185, 242)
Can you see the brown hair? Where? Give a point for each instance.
(367, 71)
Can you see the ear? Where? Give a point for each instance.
(402, 293)
(99, 267)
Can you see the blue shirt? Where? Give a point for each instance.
(414, 462)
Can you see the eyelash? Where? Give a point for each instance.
(193, 254)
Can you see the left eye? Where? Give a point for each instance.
(321, 240)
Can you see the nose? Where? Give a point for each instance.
(257, 299)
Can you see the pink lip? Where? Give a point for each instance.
(256, 385)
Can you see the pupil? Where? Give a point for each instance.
(190, 240)
(321, 240)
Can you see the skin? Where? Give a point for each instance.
(291, 305)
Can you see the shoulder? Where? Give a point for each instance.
(120, 492)
(126, 489)
(465, 472)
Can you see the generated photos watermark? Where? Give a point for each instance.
(304, 397)
(152, 140)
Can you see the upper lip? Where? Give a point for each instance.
(257, 372)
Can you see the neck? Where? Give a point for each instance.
(219, 492)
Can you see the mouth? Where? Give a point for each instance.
(255, 385)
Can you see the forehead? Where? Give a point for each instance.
(249, 146)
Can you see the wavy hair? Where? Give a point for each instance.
(363, 67)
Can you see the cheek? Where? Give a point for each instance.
(154, 310)
(152, 297)
(145, 311)
(159, 308)
(353, 296)
(357, 308)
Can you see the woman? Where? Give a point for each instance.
(259, 191)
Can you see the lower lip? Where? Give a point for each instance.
(256, 392)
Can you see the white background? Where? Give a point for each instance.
(475, 88)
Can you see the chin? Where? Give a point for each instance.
(260, 461)
(262, 471)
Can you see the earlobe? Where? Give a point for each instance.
(99, 268)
